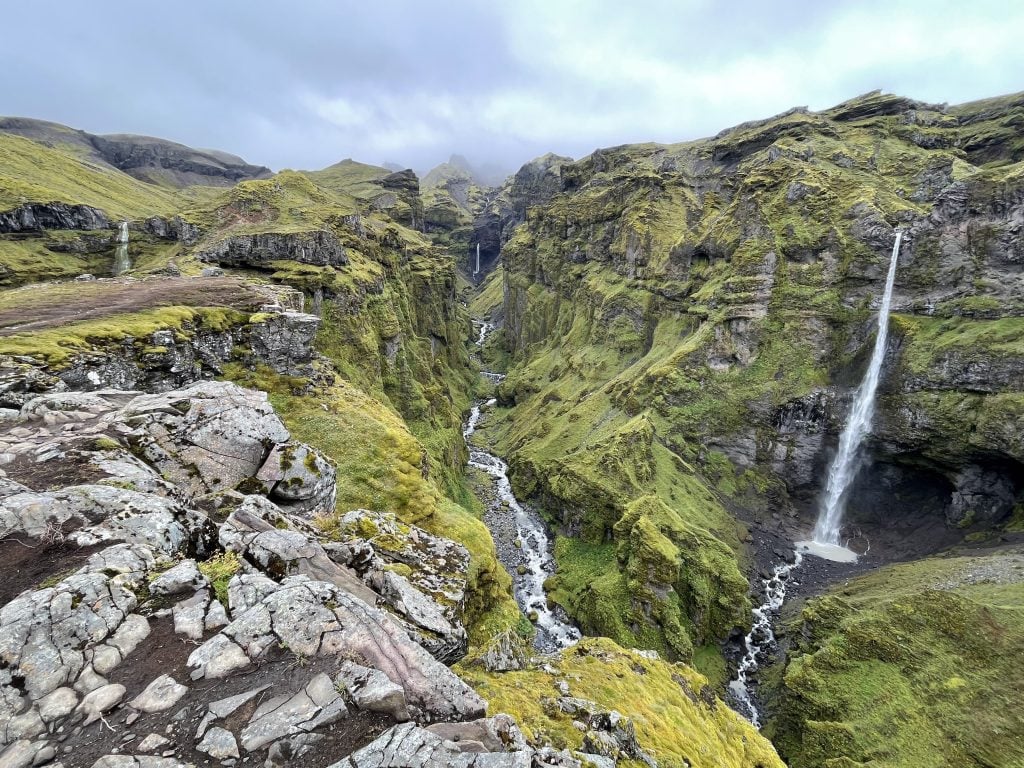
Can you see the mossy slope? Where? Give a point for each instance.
(671, 310)
(677, 717)
(915, 665)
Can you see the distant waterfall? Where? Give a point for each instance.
(844, 466)
(122, 262)
(477, 270)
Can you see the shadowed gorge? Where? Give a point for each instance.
(350, 467)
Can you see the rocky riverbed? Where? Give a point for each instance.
(523, 543)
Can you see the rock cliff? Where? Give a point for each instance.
(686, 324)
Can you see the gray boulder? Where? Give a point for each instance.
(284, 340)
(373, 691)
(299, 479)
(281, 552)
(183, 577)
(207, 437)
(318, 704)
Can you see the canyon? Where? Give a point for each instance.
(444, 472)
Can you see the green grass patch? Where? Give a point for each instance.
(913, 665)
(673, 720)
(57, 346)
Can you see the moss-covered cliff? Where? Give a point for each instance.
(686, 323)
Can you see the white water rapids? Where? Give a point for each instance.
(845, 464)
(533, 552)
(761, 638)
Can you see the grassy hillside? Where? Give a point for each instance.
(35, 173)
(914, 665)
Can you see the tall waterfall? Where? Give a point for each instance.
(844, 466)
(477, 270)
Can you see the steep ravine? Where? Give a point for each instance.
(685, 326)
(520, 536)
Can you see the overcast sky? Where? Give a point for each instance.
(305, 83)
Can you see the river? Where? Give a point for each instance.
(522, 540)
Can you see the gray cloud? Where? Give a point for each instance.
(306, 83)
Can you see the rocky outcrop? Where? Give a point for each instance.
(165, 161)
(174, 228)
(491, 743)
(505, 208)
(404, 186)
(421, 577)
(35, 217)
(145, 484)
(319, 248)
(216, 436)
(282, 339)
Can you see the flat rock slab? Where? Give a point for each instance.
(161, 694)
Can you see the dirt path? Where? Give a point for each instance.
(51, 305)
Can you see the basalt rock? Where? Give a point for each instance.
(35, 217)
(408, 744)
(74, 650)
(174, 228)
(319, 248)
(421, 578)
(284, 341)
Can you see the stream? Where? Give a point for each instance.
(520, 536)
(760, 640)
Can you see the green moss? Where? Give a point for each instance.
(675, 718)
(931, 341)
(218, 570)
(26, 260)
(660, 550)
(487, 300)
(104, 443)
(58, 346)
(912, 665)
(35, 173)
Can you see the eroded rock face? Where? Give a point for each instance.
(35, 217)
(284, 341)
(152, 159)
(175, 228)
(745, 327)
(487, 743)
(205, 438)
(421, 577)
(319, 248)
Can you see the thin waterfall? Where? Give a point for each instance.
(844, 465)
(477, 270)
(122, 262)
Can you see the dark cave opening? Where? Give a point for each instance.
(907, 505)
